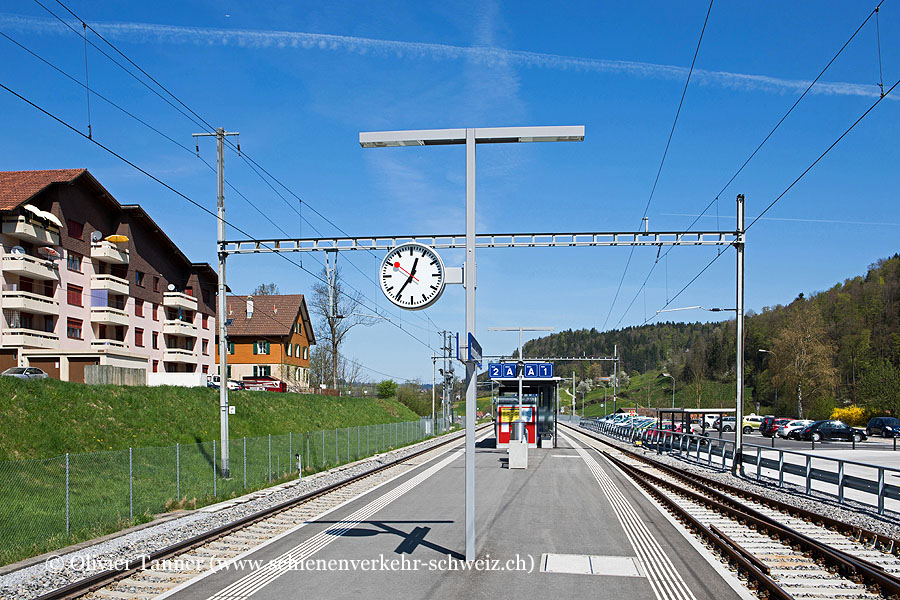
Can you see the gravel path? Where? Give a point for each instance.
(63, 568)
(855, 513)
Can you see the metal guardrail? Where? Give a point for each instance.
(706, 450)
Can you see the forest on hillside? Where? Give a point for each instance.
(834, 348)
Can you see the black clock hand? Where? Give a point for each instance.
(405, 283)
(412, 273)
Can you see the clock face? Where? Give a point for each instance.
(412, 276)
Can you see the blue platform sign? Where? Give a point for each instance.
(502, 370)
(545, 370)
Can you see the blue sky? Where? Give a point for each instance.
(301, 80)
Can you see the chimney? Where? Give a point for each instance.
(249, 307)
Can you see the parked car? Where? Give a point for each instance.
(788, 428)
(751, 423)
(770, 425)
(831, 430)
(264, 383)
(213, 381)
(883, 426)
(726, 423)
(25, 373)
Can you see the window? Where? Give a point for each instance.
(230, 347)
(262, 371)
(155, 341)
(74, 293)
(305, 352)
(189, 291)
(76, 229)
(289, 349)
(228, 372)
(205, 321)
(297, 350)
(73, 329)
(205, 346)
(155, 311)
(299, 327)
(139, 337)
(261, 347)
(205, 293)
(49, 324)
(155, 283)
(139, 278)
(73, 261)
(155, 366)
(138, 307)
(205, 368)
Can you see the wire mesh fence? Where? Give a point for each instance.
(49, 503)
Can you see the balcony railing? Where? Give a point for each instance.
(26, 265)
(99, 344)
(179, 328)
(111, 283)
(110, 253)
(179, 300)
(107, 315)
(29, 338)
(32, 231)
(30, 302)
(179, 355)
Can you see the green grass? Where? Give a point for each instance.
(483, 404)
(49, 418)
(97, 425)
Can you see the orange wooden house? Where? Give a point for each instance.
(269, 336)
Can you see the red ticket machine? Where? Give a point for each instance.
(508, 413)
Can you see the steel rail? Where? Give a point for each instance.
(104, 578)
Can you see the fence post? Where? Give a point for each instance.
(323, 448)
(367, 440)
(290, 445)
(881, 490)
(357, 442)
(177, 472)
(67, 492)
(245, 462)
(214, 468)
(808, 472)
(130, 485)
(270, 458)
(348, 444)
(308, 461)
(337, 458)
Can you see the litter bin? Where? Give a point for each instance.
(518, 432)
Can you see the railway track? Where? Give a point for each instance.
(784, 552)
(180, 562)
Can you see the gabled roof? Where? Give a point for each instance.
(17, 187)
(273, 315)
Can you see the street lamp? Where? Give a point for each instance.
(470, 137)
(776, 387)
(673, 387)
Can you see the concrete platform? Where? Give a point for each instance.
(569, 526)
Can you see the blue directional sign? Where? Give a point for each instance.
(509, 370)
(502, 370)
(531, 371)
(494, 370)
(545, 370)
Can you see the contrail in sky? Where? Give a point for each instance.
(488, 55)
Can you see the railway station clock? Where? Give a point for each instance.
(412, 276)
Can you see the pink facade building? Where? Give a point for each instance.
(89, 281)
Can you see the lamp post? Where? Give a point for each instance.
(470, 137)
(776, 369)
(673, 387)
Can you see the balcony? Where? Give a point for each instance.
(109, 253)
(179, 355)
(179, 300)
(30, 266)
(30, 303)
(110, 283)
(26, 229)
(29, 338)
(101, 344)
(179, 328)
(107, 315)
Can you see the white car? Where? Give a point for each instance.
(785, 430)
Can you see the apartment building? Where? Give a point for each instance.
(269, 336)
(87, 280)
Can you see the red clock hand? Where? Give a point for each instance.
(413, 277)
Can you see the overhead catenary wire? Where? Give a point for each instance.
(756, 150)
(184, 196)
(783, 193)
(199, 121)
(661, 162)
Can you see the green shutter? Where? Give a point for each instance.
(267, 348)
(255, 344)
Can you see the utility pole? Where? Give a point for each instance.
(616, 377)
(221, 300)
(331, 276)
(433, 382)
(737, 462)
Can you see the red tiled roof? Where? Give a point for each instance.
(272, 315)
(17, 187)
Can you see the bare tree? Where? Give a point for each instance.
(808, 355)
(338, 312)
(266, 289)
